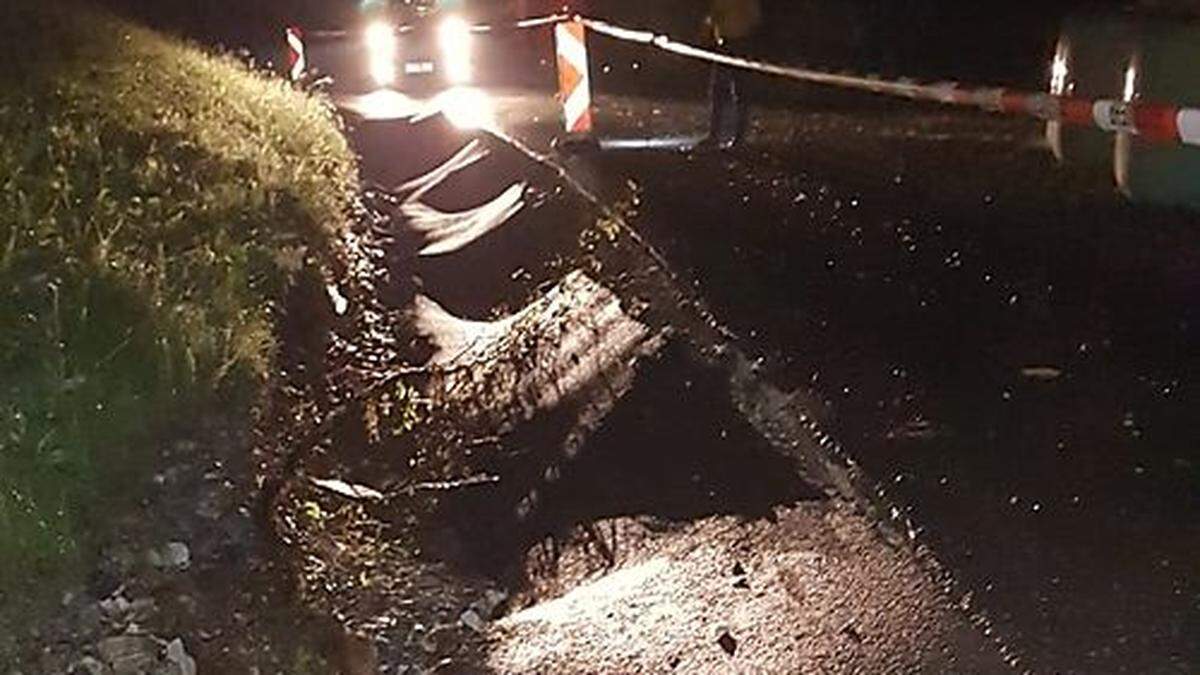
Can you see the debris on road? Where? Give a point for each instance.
(173, 556)
(660, 602)
(472, 620)
(1041, 373)
(727, 642)
(350, 490)
(177, 656)
(129, 654)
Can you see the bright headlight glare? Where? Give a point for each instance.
(1060, 70)
(381, 51)
(455, 37)
(467, 108)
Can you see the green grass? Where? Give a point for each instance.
(156, 203)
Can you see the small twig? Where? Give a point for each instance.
(480, 442)
(447, 486)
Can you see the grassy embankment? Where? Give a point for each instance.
(155, 204)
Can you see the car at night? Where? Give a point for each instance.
(415, 45)
(422, 44)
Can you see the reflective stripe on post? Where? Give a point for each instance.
(574, 81)
(296, 61)
(1188, 122)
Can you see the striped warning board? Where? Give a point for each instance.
(297, 64)
(574, 81)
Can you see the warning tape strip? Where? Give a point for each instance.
(1153, 121)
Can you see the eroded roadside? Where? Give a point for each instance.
(542, 439)
(559, 469)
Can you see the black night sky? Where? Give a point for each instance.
(988, 40)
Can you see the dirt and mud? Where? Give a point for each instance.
(517, 510)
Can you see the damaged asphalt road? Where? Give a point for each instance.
(923, 287)
(567, 377)
(1004, 343)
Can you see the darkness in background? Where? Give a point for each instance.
(254, 24)
(991, 41)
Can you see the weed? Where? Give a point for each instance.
(150, 196)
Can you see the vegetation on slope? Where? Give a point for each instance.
(156, 202)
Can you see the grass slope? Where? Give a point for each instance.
(155, 204)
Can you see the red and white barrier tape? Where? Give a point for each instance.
(1153, 121)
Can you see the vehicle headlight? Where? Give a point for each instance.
(381, 53)
(1060, 70)
(454, 35)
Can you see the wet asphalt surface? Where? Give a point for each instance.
(1005, 344)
